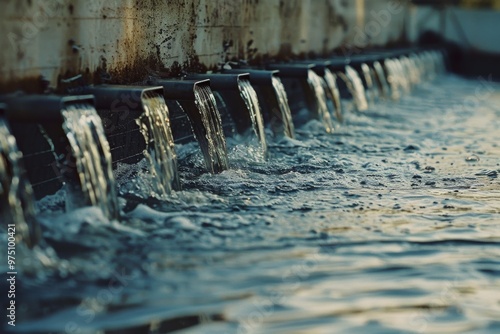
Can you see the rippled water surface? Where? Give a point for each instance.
(389, 225)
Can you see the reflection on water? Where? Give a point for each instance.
(384, 227)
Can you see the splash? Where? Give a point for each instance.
(252, 102)
(90, 148)
(160, 153)
(17, 208)
(321, 112)
(207, 126)
(285, 113)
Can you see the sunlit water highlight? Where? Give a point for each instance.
(387, 226)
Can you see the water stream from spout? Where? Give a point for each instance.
(394, 78)
(207, 126)
(160, 153)
(381, 80)
(331, 83)
(370, 87)
(321, 112)
(90, 148)
(356, 88)
(252, 102)
(285, 113)
(16, 196)
(407, 73)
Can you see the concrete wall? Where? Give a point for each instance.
(130, 38)
(471, 28)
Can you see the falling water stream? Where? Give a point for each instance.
(285, 113)
(17, 209)
(252, 102)
(394, 78)
(370, 87)
(381, 80)
(322, 113)
(208, 130)
(355, 85)
(331, 83)
(90, 148)
(160, 154)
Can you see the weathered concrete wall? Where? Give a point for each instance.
(472, 28)
(129, 38)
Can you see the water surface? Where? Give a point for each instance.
(389, 225)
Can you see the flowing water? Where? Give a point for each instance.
(381, 80)
(331, 82)
(286, 114)
(90, 149)
(159, 153)
(355, 86)
(322, 113)
(394, 78)
(389, 225)
(370, 87)
(207, 127)
(17, 209)
(252, 102)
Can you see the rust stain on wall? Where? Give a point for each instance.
(125, 41)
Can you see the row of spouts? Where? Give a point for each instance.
(89, 133)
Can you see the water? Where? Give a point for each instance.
(286, 114)
(394, 78)
(331, 83)
(16, 196)
(322, 113)
(381, 80)
(370, 87)
(386, 226)
(207, 127)
(355, 86)
(252, 102)
(90, 149)
(160, 153)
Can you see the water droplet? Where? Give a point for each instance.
(472, 158)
